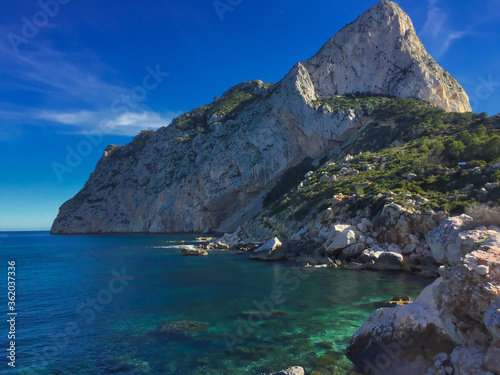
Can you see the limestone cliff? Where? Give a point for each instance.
(211, 167)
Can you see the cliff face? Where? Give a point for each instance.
(211, 167)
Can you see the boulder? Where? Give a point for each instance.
(344, 236)
(467, 297)
(352, 251)
(401, 340)
(271, 250)
(447, 242)
(491, 186)
(371, 255)
(468, 360)
(492, 359)
(388, 261)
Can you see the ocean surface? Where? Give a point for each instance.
(132, 304)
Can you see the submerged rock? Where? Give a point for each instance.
(193, 251)
(295, 370)
(183, 328)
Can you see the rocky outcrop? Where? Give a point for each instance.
(271, 250)
(468, 300)
(401, 340)
(210, 168)
(464, 317)
(396, 243)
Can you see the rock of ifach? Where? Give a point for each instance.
(210, 168)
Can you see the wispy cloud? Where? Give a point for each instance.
(452, 36)
(68, 118)
(437, 28)
(62, 76)
(436, 17)
(128, 123)
(76, 122)
(75, 90)
(131, 123)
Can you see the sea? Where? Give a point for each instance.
(132, 304)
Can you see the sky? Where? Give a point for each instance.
(79, 75)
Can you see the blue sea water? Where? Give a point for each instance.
(132, 304)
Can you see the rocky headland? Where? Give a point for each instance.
(365, 156)
(211, 168)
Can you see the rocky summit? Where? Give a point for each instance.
(211, 168)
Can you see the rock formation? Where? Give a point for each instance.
(468, 300)
(401, 340)
(211, 167)
(455, 322)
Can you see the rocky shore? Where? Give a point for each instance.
(394, 242)
(454, 325)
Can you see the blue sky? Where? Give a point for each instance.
(79, 75)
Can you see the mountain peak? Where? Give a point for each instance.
(381, 53)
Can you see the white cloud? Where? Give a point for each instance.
(437, 28)
(454, 36)
(128, 123)
(436, 18)
(81, 122)
(62, 77)
(76, 80)
(67, 118)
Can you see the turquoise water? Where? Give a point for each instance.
(172, 314)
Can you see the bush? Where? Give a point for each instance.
(483, 215)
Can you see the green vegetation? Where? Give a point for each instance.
(409, 151)
(232, 103)
(289, 179)
(228, 106)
